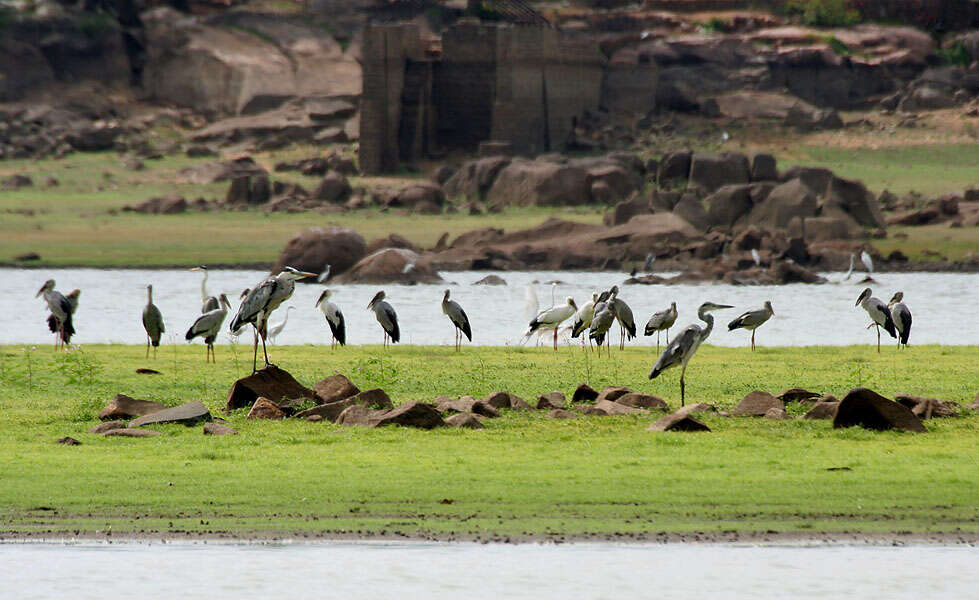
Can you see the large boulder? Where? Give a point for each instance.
(540, 183)
(625, 210)
(474, 178)
(619, 180)
(391, 265)
(272, 383)
(708, 172)
(870, 410)
(673, 168)
(422, 196)
(787, 201)
(313, 249)
(333, 188)
(854, 199)
(187, 414)
(410, 414)
(728, 204)
(692, 210)
(124, 407)
(678, 421)
(756, 404)
(334, 388)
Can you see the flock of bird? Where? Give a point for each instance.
(591, 321)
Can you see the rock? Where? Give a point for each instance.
(391, 265)
(921, 216)
(187, 414)
(457, 405)
(263, 408)
(108, 426)
(391, 241)
(465, 421)
(852, 198)
(473, 179)
(356, 414)
(614, 408)
(334, 388)
(273, 384)
(975, 403)
(824, 229)
(410, 414)
(313, 249)
(124, 407)
(786, 202)
(763, 167)
(619, 180)
(673, 168)
(418, 195)
(560, 413)
(870, 410)
(218, 429)
(165, 205)
(314, 419)
(646, 401)
(927, 408)
(691, 210)
(778, 414)
(15, 182)
(491, 280)
(69, 441)
(498, 400)
(612, 393)
(27, 256)
(695, 408)
(678, 421)
(213, 172)
(822, 410)
(625, 210)
(796, 395)
(540, 183)
(333, 188)
(483, 409)
(131, 433)
(551, 400)
(199, 151)
(927, 98)
(756, 404)
(518, 403)
(330, 411)
(583, 393)
(728, 205)
(709, 172)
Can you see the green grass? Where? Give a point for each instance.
(524, 475)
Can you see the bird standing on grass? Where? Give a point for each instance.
(277, 328)
(208, 303)
(623, 314)
(460, 321)
(752, 320)
(601, 323)
(661, 321)
(72, 298)
(551, 318)
(61, 311)
(685, 345)
(879, 314)
(901, 315)
(385, 315)
(582, 319)
(152, 323)
(259, 303)
(334, 317)
(208, 325)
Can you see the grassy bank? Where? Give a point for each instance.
(525, 475)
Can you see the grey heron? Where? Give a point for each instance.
(334, 317)
(551, 318)
(238, 331)
(72, 298)
(460, 321)
(752, 320)
(277, 328)
(901, 315)
(879, 314)
(208, 303)
(260, 301)
(60, 309)
(661, 321)
(152, 323)
(386, 317)
(623, 314)
(582, 319)
(648, 265)
(602, 322)
(208, 325)
(685, 345)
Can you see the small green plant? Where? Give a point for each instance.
(955, 54)
(715, 25)
(838, 47)
(78, 367)
(823, 13)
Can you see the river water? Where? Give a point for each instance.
(112, 302)
(472, 571)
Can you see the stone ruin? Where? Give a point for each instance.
(515, 88)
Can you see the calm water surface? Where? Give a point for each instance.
(471, 571)
(112, 302)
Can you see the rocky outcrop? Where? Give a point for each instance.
(124, 407)
(185, 414)
(757, 404)
(313, 249)
(271, 383)
(391, 265)
(868, 409)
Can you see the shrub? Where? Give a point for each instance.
(823, 13)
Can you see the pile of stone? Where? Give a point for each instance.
(124, 416)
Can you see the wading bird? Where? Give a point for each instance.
(385, 315)
(601, 323)
(685, 345)
(61, 311)
(867, 262)
(582, 319)
(879, 314)
(623, 314)
(551, 318)
(901, 315)
(661, 321)
(208, 303)
(334, 317)
(259, 303)
(152, 323)
(849, 271)
(324, 275)
(752, 320)
(459, 319)
(277, 328)
(72, 298)
(208, 325)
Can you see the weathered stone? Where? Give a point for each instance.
(108, 426)
(678, 421)
(130, 433)
(674, 167)
(560, 413)
(124, 407)
(456, 405)
(756, 404)
(647, 401)
(334, 388)
(709, 172)
(498, 400)
(263, 408)
(612, 408)
(356, 414)
(583, 393)
(480, 407)
(465, 421)
(218, 429)
(272, 383)
(822, 410)
(785, 202)
(540, 183)
(410, 414)
(551, 400)
(695, 408)
(778, 414)
(187, 414)
(927, 408)
(763, 167)
(870, 410)
(373, 398)
(491, 280)
(692, 210)
(391, 265)
(728, 204)
(315, 419)
(69, 441)
(625, 210)
(796, 395)
(518, 403)
(612, 393)
(313, 249)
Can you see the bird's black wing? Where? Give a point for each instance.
(466, 329)
(392, 317)
(905, 316)
(253, 304)
(339, 329)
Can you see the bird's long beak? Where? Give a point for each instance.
(40, 291)
(720, 306)
(305, 274)
(857, 303)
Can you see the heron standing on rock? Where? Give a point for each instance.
(879, 314)
(61, 312)
(334, 317)
(386, 317)
(661, 321)
(152, 323)
(752, 320)
(208, 303)
(552, 318)
(460, 321)
(208, 325)
(685, 345)
(901, 315)
(259, 303)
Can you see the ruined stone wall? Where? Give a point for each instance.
(465, 85)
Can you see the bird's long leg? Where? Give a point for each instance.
(683, 386)
(657, 340)
(255, 349)
(265, 350)
(147, 346)
(878, 337)
(667, 335)
(555, 338)
(752, 340)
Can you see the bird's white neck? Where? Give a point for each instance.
(204, 287)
